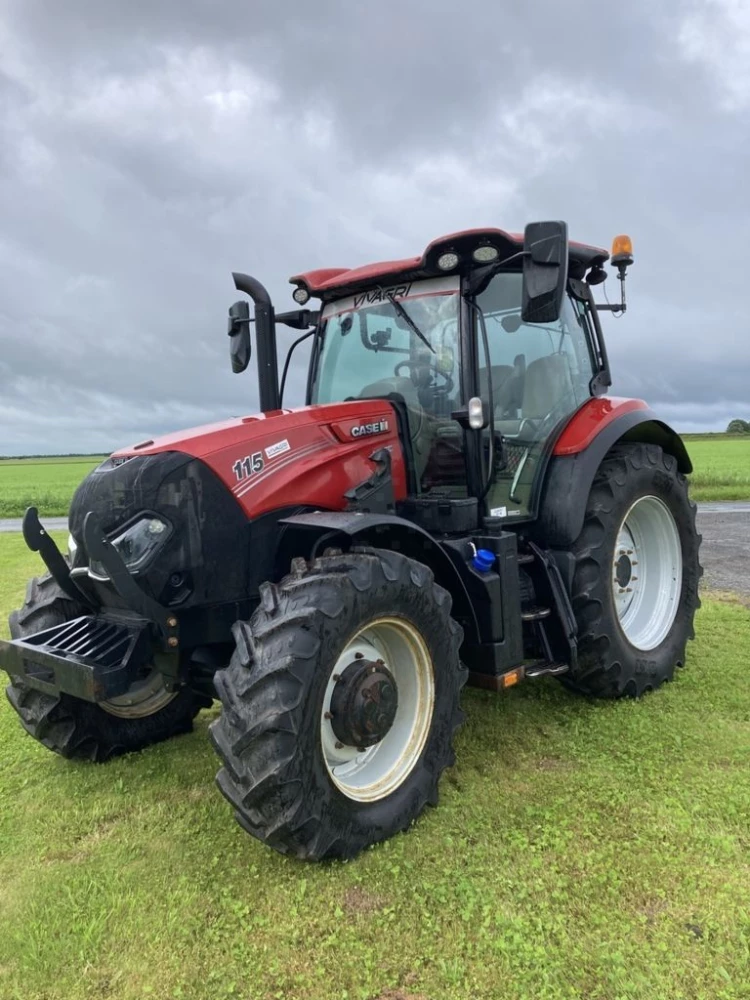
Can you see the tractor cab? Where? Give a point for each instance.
(466, 321)
(405, 344)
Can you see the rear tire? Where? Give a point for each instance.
(635, 585)
(295, 785)
(80, 729)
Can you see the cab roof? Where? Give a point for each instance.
(331, 282)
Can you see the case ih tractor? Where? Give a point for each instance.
(459, 499)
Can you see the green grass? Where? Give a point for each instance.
(580, 850)
(722, 472)
(45, 483)
(722, 467)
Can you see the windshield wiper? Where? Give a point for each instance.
(407, 319)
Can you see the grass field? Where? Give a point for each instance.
(580, 850)
(722, 472)
(45, 483)
(721, 466)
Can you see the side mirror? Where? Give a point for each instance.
(238, 328)
(545, 271)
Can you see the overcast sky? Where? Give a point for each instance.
(149, 148)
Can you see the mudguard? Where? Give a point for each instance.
(597, 426)
(312, 533)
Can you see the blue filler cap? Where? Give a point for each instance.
(484, 560)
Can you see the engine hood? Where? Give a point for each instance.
(308, 456)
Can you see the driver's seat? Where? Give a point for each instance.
(548, 382)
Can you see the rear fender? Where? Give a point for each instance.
(579, 452)
(308, 535)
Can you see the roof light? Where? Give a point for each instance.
(300, 295)
(485, 254)
(447, 261)
(622, 250)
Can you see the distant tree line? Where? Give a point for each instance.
(738, 427)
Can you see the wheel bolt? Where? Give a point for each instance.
(172, 641)
(361, 749)
(380, 663)
(336, 677)
(328, 715)
(633, 578)
(339, 745)
(359, 656)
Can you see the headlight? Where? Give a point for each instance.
(137, 545)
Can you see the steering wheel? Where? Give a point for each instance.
(444, 390)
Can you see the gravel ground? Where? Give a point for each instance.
(725, 552)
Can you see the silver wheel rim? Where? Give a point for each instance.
(372, 774)
(142, 699)
(647, 573)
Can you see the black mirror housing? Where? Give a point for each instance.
(545, 271)
(238, 328)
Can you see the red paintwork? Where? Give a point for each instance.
(324, 280)
(316, 470)
(592, 418)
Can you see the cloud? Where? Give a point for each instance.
(149, 149)
(716, 35)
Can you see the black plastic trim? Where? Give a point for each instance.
(568, 479)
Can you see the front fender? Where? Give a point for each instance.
(579, 451)
(308, 534)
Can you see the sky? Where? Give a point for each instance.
(149, 148)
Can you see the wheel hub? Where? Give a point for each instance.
(623, 570)
(364, 703)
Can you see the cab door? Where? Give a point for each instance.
(538, 375)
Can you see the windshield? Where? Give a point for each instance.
(372, 347)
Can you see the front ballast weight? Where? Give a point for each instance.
(96, 656)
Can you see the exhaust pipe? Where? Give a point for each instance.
(265, 335)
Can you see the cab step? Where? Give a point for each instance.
(527, 671)
(535, 614)
(545, 669)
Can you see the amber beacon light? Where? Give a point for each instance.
(622, 251)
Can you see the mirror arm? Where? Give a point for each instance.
(288, 359)
(299, 319)
(480, 277)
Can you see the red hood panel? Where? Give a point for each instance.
(309, 456)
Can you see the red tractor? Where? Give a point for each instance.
(458, 500)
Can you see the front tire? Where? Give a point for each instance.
(635, 585)
(80, 729)
(340, 704)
